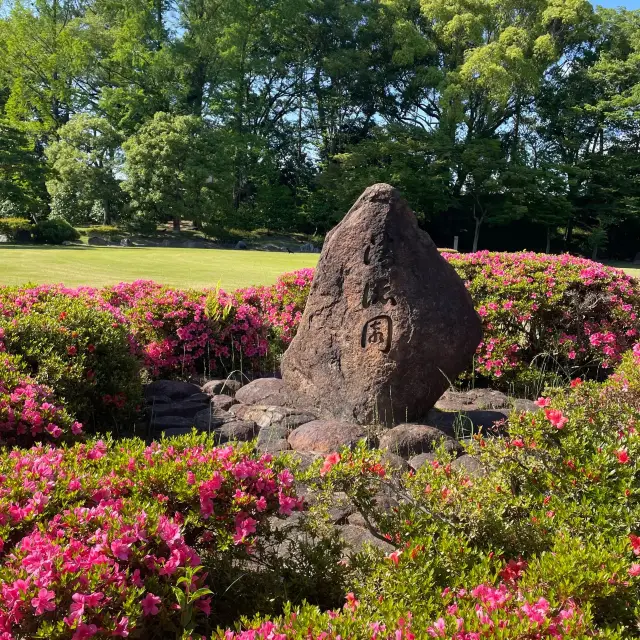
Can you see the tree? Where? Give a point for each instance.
(85, 161)
(172, 171)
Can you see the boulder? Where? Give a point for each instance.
(325, 436)
(185, 409)
(163, 423)
(236, 431)
(388, 322)
(407, 440)
(98, 241)
(421, 459)
(175, 389)
(223, 402)
(284, 417)
(215, 387)
(473, 399)
(469, 465)
(357, 537)
(463, 424)
(265, 391)
(212, 418)
(153, 400)
(241, 244)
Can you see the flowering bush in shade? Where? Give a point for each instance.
(104, 539)
(27, 410)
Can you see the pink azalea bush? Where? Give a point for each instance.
(545, 315)
(105, 540)
(28, 412)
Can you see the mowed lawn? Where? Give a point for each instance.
(182, 268)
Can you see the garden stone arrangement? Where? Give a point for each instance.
(387, 325)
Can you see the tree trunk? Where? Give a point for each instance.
(476, 235)
(176, 224)
(548, 247)
(568, 236)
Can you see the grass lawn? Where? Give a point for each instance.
(182, 268)
(628, 267)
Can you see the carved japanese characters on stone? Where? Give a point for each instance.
(377, 333)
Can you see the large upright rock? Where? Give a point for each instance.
(388, 323)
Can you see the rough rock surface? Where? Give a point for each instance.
(212, 418)
(388, 322)
(325, 436)
(265, 391)
(223, 402)
(215, 387)
(407, 440)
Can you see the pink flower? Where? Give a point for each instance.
(543, 402)
(43, 602)
(635, 543)
(204, 604)
(85, 631)
(556, 418)
(122, 628)
(623, 456)
(150, 605)
(437, 630)
(394, 557)
(329, 462)
(634, 570)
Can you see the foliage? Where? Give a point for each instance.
(169, 169)
(16, 228)
(540, 540)
(84, 162)
(507, 127)
(54, 231)
(108, 539)
(82, 352)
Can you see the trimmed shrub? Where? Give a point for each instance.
(105, 539)
(83, 353)
(54, 231)
(16, 229)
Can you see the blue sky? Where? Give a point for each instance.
(628, 4)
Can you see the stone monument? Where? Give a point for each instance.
(388, 323)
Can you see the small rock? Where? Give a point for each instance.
(421, 459)
(236, 431)
(175, 389)
(223, 402)
(241, 244)
(395, 464)
(472, 399)
(407, 440)
(98, 241)
(469, 464)
(171, 422)
(273, 446)
(247, 411)
(215, 387)
(284, 417)
(325, 436)
(465, 423)
(357, 520)
(185, 409)
(125, 242)
(212, 418)
(357, 537)
(307, 248)
(264, 391)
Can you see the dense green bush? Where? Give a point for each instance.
(15, 228)
(54, 231)
(83, 353)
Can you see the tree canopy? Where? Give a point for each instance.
(509, 123)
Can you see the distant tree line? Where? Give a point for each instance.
(509, 123)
